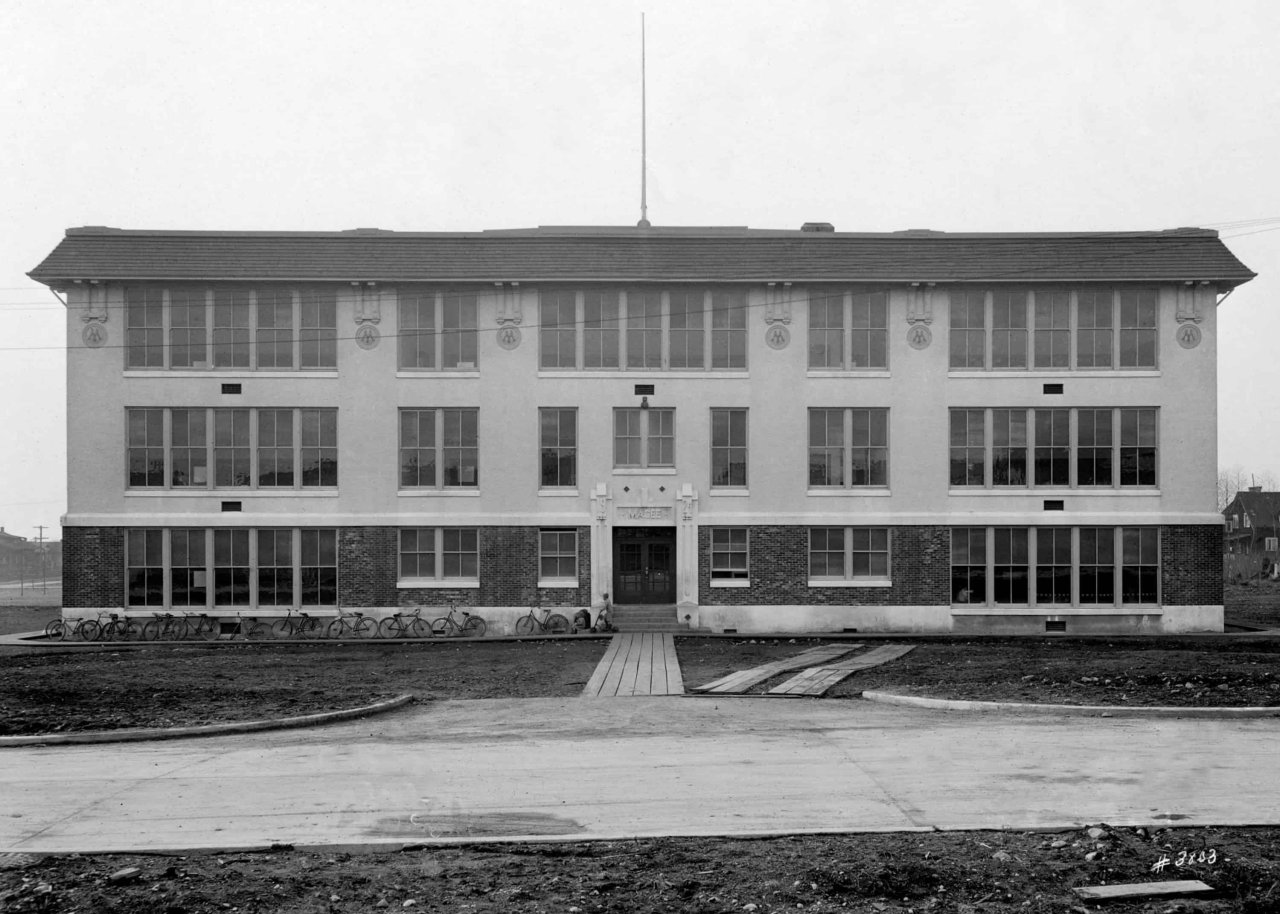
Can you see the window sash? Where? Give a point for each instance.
(557, 554)
(558, 447)
(438, 554)
(437, 330)
(644, 438)
(439, 448)
(730, 554)
(849, 554)
(848, 447)
(728, 448)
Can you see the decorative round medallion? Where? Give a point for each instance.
(367, 336)
(1189, 336)
(777, 336)
(94, 335)
(509, 337)
(919, 337)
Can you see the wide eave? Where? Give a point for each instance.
(641, 255)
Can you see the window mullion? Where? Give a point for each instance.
(708, 330)
(253, 330)
(209, 589)
(295, 330)
(1073, 446)
(1033, 567)
(1117, 566)
(438, 541)
(579, 329)
(166, 306)
(664, 334)
(437, 419)
(295, 538)
(624, 299)
(989, 534)
(166, 569)
(846, 331)
(295, 422)
(848, 553)
(166, 440)
(988, 447)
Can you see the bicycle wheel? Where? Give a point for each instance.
(283, 628)
(440, 628)
(311, 628)
(474, 627)
(524, 625)
(132, 630)
(336, 629)
(390, 627)
(365, 628)
(151, 631)
(88, 630)
(56, 630)
(557, 624)
(420, 628)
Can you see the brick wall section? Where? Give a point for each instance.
(1191, 565)
(92, 567)
(920, 559)
(368, 568)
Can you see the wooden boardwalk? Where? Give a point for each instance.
(744, 679)
(816, 680)
(638, 663)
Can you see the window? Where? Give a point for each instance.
(729, 554)
(644, 438)
(685, 329)
(1272, 544)
(437, 329)
(175, 445)
(968, 329)
(144, 550)
(1008, 329)
(558, 440)
(144, 327)
(848, 447)
(558, 555)
(1138, 329)
(1012, 329)
(728, 448)
(848, 554)
(146, 447)
(848, 330)
(192, 327)
(248, 568)
(439, 554)
(1069, 447)
(1060, 560)
(439, 448)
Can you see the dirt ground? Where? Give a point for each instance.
(938, 873)
(965, 873)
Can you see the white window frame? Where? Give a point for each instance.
(438, 579)
(728, 576)
(849, 577)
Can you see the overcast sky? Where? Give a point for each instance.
(960, 116)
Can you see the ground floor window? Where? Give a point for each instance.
(848, 554)
(729, 554)
(1055, 566)
(558, 555)
(430, 554)
(197, 569)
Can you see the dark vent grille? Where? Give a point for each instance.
(644, 390)
(1053, 388)
(1059, 625)
(232, 506)
(1054, 504)
(231, 388)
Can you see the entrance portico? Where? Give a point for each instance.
(644, 544)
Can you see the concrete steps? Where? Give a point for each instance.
(647, 618)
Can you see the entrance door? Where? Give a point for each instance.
(644, 565)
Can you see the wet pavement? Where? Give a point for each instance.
(569, 768)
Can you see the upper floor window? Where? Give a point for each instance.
(268, 327)
(650, 329)
(729, 448)
(644, 438)
(1054, 328)
(558, 447)
(439, 448)
(1054, 447)
(261, 448)
(848, 330)
(438, 330)
(848, 447)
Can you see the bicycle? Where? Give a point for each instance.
(405, 625)
(165, 627)
(251, 627)
(550, 623)
(303, 625)
(117, 629)
(202, 626)
(80, 629)
(341, 627)
(448, 627)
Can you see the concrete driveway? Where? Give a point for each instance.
(572, 768)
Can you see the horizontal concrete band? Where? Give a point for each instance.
(247, 726)
(952, 704)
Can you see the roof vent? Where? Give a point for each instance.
(817, 227)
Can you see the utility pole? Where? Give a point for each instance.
(40, 549)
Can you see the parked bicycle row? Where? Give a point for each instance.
(109, 626)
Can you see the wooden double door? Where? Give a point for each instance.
(644, 565)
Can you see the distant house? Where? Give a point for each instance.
(14, 552)
(1253, 523)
